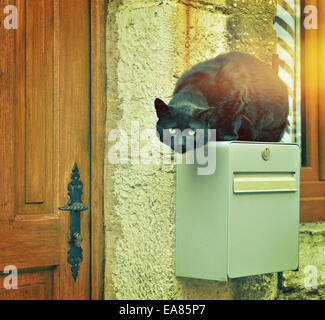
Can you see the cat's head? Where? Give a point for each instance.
(178, 122)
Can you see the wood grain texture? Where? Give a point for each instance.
(7, 119)
(30, 243)
(32, 285)
(312, 184)
(310, 97)
(312, 209)
(98, 117)
(45, 122)
(321, 61)
(34, 109)
(39, 99)
(74, 132)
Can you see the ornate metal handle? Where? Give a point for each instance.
(75, 206)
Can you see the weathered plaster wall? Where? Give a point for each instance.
(149, 45)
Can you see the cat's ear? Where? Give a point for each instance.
(162, 108)
(207, 116)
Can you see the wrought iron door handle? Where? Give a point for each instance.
(75, 206)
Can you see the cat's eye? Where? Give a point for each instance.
(191, 133)
(172, 131)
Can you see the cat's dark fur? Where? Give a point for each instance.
(235, 93)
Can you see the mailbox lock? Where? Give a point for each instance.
(266, 154)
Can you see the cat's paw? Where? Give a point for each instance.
(230, 138)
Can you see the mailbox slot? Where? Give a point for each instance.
(264, 182)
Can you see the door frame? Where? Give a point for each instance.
(98, 10)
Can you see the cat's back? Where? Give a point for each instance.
(230, 59)
(237, 67)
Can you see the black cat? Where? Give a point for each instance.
(235, 93)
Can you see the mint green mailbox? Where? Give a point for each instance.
(242, 218)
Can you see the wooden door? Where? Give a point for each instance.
(44, 130)
(313, 116)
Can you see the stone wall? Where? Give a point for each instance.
(149, 45)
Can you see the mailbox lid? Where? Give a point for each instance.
(248, 157)
(263, 222)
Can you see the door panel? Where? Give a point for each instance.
(7, 120)
(44, 127)
(312, 175)
(321, 79)
(34, 109)
(33, 285)
(39, 101)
